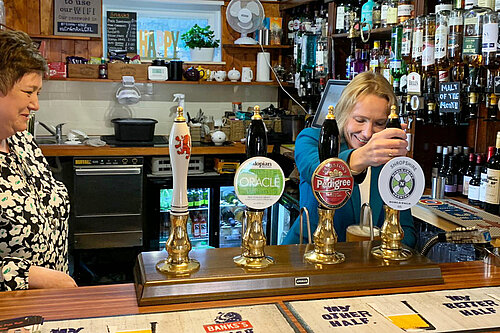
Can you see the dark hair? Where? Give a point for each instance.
(18, 56)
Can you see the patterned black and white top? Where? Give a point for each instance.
(34, 211)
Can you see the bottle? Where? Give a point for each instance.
(385, 62)
(374, 57)
(205, 197)
(383, 13)
(203, 226)
(473, 31)
(429, 44)
(256, 142)
(397, 68)
(393, 119)
(486, 3)
(441, 46)
(350, 61)
(475, 182)
(405, 10)
(436, 165)
(489, 41)
(460, 168)
(329, 139)
(492, 107)
(376, 15)
(196, 227)
(450, 187)
(468, 174)
(358, 65)
(455, 39)
(492, 196)
(2, 14)
(406, 41)
(367, 15)
(484, 177)
(443, 170)
(392, 13)
(341, 18)
(443, 5)
(103, 69)
(190, 196)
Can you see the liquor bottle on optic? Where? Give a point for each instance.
(475, 182)
(469, 173)
(340, 19)
(473, 31)
(443, 5)
(396, 63)
(441, 46)
(329, 138)
(455, 39)
(492, 199)
(392, 13)
(376, 15)
(374, 57)
(405, 10)
(492, 107)
(256, 142)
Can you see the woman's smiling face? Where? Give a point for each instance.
(368, 116)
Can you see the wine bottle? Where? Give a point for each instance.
(393, 119)
(468, 174)
(484, 177)
(436, 165)
(256, 143)
(329, 138)
(492, 199)
(443, 170)
(450, 185)
(475, 182)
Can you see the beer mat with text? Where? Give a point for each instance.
(436, 311)
(462, 214)
(247, 319)
(30, 324)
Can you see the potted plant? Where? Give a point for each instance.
(201, 41)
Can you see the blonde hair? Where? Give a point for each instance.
(18, 56)
(366, 83)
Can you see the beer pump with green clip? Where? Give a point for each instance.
(178, 244)
(401, 184)
(259, 183)
(332, 185)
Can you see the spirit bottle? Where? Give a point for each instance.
(340, 19)
(374, 57)
(455, 38)
(367, 15)
(489, 42)
(329, 139)
(405, 10)
(441, 46)
(473, 31)
(383, 13)
(393, 119)
(392, 13)
(397, 68)
(443, 5)
(376, 15)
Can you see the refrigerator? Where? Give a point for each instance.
(215, 213)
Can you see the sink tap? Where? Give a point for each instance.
(55, 131)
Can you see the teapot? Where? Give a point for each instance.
(233, 75)
(193, 74)
(204, 73)
(218, 137)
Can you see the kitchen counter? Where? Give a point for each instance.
(113, 300)
(107, 150)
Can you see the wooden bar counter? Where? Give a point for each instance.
(111, 300)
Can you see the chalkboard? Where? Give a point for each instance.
(449, 97)
(77, 18)
(121, 28)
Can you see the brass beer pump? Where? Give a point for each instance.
(325, 237)
(392, 233)
(253, 240)
(178, 244)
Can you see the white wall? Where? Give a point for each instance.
(89, 106)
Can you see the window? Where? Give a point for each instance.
(160, 24)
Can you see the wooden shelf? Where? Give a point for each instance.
(384, 32)
(240, 46)
(287, 4)
(64, 37)
(227, 83)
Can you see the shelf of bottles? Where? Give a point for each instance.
(307, 67)
(470, 175)
(197, 224)
(455, 44)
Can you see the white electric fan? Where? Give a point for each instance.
(245, 16)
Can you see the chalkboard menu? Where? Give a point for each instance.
(77, 18)
(449, 97)
(121, 28)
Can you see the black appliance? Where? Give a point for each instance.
(108, 202)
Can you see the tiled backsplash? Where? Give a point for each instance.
(89, 106)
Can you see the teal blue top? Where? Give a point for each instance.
(307, 160)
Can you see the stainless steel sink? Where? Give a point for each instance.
(47, 140)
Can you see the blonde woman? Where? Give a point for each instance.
(34, 207)
(366, 145)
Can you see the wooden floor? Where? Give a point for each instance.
(98, 301)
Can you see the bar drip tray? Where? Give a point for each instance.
(219, 277)
(158, 140)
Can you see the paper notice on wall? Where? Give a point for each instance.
(257, 318)
(340, 315)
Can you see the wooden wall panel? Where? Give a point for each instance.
(82, 48)
(482, 134)
(15, 14)
(67, 48)
(54, 50)
(33, 17)
(95, 48)
(46, 17)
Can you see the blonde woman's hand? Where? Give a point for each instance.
(46, 278)
(382, 147)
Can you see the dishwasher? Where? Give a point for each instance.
(108, 201)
